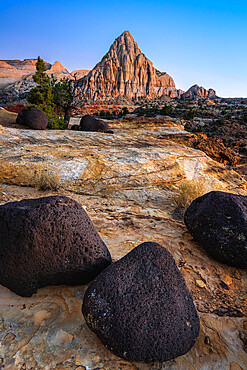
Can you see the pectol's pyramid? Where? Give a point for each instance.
(126, 71)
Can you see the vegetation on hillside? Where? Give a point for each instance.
(56, 99)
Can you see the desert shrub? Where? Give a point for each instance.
(220, 122)
(166, 110)
(125, 111)
(190, 114)
(187, 191)
(44, 180)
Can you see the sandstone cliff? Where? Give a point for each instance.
(16, 75)
(126, 71)
(199, 92)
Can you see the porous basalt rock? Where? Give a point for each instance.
(20, 119)
(33, 118)
(90, 123)
(218, 221)
(140, 307)
(48, 241)
(75, 128)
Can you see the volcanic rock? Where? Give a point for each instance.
(75, 128)
(218, 221)
(140, 307)
(20, 119)
(126, 71)
(48, 241)
(90, 123)
(33, 118)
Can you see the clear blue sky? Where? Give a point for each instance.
(203, 41)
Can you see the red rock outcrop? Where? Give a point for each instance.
(199, 92)
(126, 71)
(57, 68)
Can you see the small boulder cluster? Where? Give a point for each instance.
(139, 307)
(90, 123)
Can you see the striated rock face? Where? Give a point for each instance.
(16, 76)
(198, 92)
(126, 71)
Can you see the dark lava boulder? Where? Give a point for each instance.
(218, 221)
(90, 123)
(20, 120)
(48, 241)
(75, 128)
(33, 118)
(140, 307)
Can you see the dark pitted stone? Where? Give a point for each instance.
(75, 128)
(90, 123)
(140, 307)
(33, 118)
(218, 221)
(48, 241)
(20, 120)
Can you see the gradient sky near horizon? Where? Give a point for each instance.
(196, 42)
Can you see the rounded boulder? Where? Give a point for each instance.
(218, 221)
(48, 241)
(90, 123)
(33, 118)
(140, 307)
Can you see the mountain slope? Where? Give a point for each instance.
(126, 71)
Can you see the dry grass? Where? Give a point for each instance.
(187, 191)
(44, 180)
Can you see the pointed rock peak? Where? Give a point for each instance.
(125, 71)
(125, 44)
(126, 34)
(58, 68)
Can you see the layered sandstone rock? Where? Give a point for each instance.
(16, 76)
(199, 92)
(57, 68)
(126, 71)
(9, 74)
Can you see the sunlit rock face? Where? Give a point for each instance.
(198, 92)
(126, 71)
(16, 76)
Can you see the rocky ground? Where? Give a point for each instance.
(127, 182)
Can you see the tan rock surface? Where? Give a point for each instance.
(126, 183)
(126, 71)
(16, 75)
(198, 92)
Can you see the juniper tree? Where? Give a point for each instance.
(42, 96)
